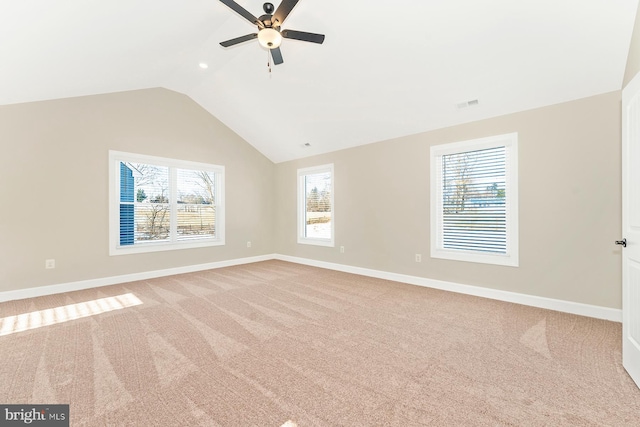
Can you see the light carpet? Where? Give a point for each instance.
(276, 343)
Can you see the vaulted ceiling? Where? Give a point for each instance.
(386, 69)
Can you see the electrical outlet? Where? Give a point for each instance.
(418, 258)
(49, 263)
(341, 249)
(248, 244)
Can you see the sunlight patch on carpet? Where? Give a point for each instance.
(536, 339)
(65, 313)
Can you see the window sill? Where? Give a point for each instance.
(162, 246)
(316, 242)
(495, 259)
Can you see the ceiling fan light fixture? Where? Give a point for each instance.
(269, 38)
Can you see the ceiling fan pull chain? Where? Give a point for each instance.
(269, 61)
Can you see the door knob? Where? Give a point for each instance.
(622, 242)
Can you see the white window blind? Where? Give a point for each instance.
(474, 200)
(474, 215)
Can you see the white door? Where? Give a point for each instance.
(631, 228)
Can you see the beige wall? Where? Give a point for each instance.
(570, 204)
(53, 187)
(633, 60)
(53, 183)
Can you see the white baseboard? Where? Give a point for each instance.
(114, 280)
(594, 311)
(587, 310)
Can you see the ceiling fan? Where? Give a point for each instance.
(269, 33)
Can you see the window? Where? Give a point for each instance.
(474, 200)
(159, 204)
(315, 205)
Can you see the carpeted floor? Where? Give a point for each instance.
(273, 342)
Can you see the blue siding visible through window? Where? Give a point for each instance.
(126, 205)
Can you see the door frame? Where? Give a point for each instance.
(631, 254)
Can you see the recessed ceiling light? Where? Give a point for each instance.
(203, 65)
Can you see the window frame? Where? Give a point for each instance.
(302, 206)
(510, 142)
(115, 248)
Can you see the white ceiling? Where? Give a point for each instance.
(386, 69)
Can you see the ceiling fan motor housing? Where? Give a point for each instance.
(266, 21)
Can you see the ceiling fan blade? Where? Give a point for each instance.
(242, 12)
(239, 40)
(283, 11)
(277, 56)
(301, 35)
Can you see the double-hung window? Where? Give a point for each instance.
(315, 206)
(474, 200)
(158, 204)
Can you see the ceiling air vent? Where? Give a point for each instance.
(465, 104)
